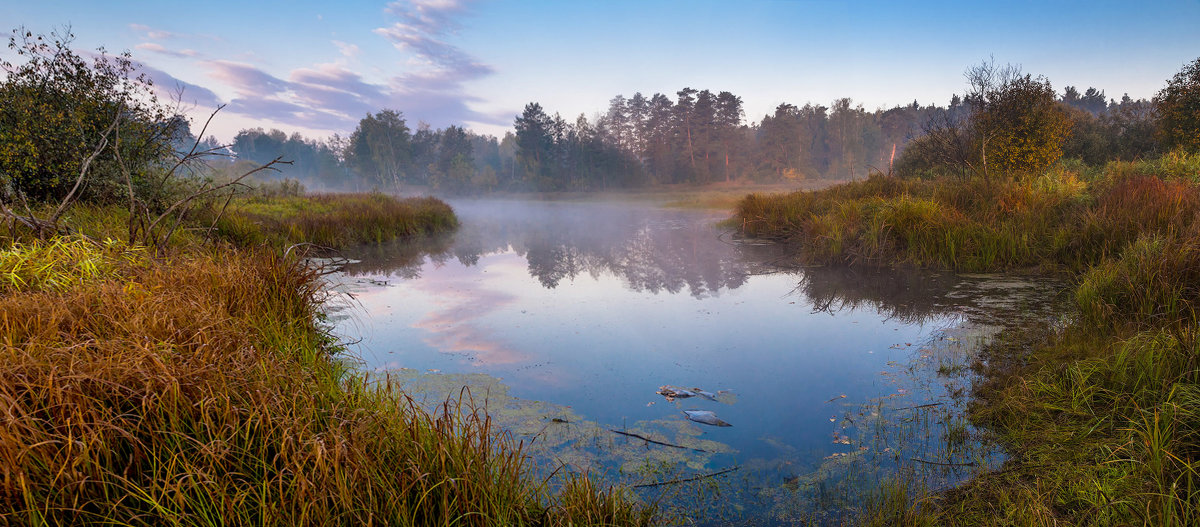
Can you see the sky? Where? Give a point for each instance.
(318, 67)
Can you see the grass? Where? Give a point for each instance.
(194, 386)
(1100, 412)
(197, 391)
(1064, 220)
(332, 220)
(62, 263)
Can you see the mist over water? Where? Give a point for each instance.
(592, 307)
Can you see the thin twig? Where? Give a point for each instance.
(648, 440)
(685, 480)
(236, 181)
(83, 170)
(192, 152)
(212, 228)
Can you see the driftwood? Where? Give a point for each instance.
(648, 440)
(685, 480)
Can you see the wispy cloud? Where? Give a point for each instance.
(334, 96)
(421, 30)
(159, 48)
(151, 33)
(246, 79)
(323, 97)
(170, 88)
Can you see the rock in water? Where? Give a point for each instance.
(705, 417)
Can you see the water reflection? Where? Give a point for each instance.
(649, 250)
(841, 375)
(656, 251)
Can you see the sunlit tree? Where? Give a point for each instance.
(1021, 127)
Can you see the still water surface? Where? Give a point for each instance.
(568, 317)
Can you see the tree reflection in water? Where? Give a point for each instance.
(648, 249)
(656, 251)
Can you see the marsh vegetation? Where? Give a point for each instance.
(170, 355)
(1097, 408)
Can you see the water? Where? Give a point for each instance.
(566, 318)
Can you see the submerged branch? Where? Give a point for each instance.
(685, 480)
(648, 440)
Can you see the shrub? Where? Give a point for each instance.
(57, 111)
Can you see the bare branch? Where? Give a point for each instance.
(83, 170)
(212, 228)
(685, 480)
(236, 181)
(192, 152)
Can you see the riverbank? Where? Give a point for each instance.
(193, 385)
(1099, 409)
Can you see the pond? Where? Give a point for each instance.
(569, 321)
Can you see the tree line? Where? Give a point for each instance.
(700, 137)
(56, 108)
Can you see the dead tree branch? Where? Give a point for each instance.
(685, 480)
(648, 440)
(83, 170)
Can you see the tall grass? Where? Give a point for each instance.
(334, 220)
(1067, 218)
(196, 390)
(1154, 283)
(62, 263)
(1105, 433)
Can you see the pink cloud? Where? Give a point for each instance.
(453, 327)
(347, 50)
(333, 97)
(154, 34)
(169, 88)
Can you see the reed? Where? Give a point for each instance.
(1155, 282)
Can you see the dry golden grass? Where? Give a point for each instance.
(196, 390)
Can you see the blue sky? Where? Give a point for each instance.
(318, 67)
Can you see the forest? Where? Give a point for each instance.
(696, 138)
